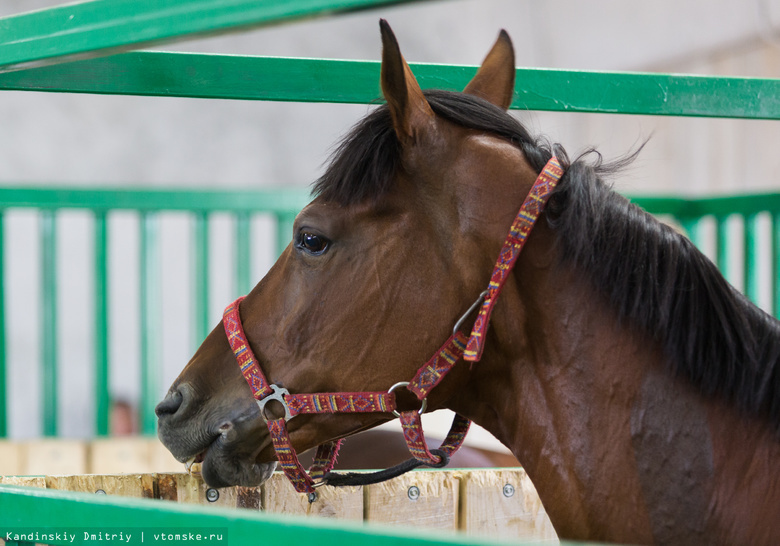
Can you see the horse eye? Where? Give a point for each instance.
(313, 244)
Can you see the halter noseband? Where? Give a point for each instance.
(427, 377)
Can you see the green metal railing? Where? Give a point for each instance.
(743, 248)
(282, 205)
(67, 48)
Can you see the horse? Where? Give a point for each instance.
(639, 390)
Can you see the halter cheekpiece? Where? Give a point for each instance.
(428, 376)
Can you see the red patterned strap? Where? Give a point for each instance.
(524, 221)
(415, 439)
(438, 366)
(288, 459)
(340, 402)
(324, 459)
(244, 355)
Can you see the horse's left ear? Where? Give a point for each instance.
(409, 109)
(495, 79)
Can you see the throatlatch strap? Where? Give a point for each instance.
(324, 459)
(415, 439)
(524, 221)
(431, 374)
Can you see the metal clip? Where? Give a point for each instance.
(471, 309)
(278, 395)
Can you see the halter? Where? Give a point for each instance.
(428, 376)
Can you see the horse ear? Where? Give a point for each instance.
(409, 110)
(495, 79)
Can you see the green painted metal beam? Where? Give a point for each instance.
(100, 27)
(270, 200)
(4, 405)
(49, 367)
(22, 509)
(201, 273)
(101, 380)
(319, 80)
(150, 292)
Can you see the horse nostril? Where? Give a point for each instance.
(170, 404)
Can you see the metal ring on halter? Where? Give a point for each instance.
(471, 309)
(277, 395)
(404, 384)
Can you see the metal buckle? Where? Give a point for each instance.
(471, 309)
(404, 384)
(277, 395)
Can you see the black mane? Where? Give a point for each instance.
(655, 278)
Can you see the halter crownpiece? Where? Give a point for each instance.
(428, 376)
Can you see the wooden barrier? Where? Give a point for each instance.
(481, 502)
(103, 456)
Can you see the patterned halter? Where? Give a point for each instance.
(427, 377)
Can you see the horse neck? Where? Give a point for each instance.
(617, 447)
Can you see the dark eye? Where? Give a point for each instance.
(311, 243)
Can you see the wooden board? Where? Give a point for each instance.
(329, 502)
(120, 455)
(55, 456)
(25, 481)
(125, 485)
(503, 503)
(193, 490)
(434, 506)
(11, 457)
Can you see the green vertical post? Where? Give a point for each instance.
(102, 397)
(722, 249)
(243, 257)
(691, 227)
(201, 277)
(284, 227)
(750, 263)
(775, 265)
(3, 370)
(48, 340)
(151, 319)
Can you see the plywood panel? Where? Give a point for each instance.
(11, 458)
(55, 456)
(120, 455)
(161, 459)
(434, 503)
(503, 503)
(329, 502)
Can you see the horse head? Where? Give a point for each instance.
(397, 244)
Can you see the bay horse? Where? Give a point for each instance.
(640, 391)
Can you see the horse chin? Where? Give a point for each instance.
(223, 469)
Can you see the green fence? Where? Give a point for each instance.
(71, 49)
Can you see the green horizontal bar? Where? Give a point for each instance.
(717, 206)
(272, 200)
(23, 507)
(338, 81)
(100, 27)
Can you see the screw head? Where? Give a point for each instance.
(100, 492)
(509, 490)
(212, 495)
(413, 493)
